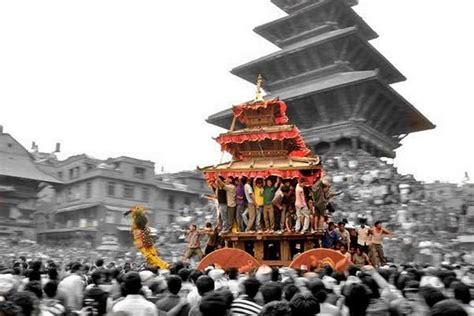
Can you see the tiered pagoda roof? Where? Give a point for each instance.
(265, 146)
(335, 84)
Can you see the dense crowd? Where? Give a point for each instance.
(106, 288)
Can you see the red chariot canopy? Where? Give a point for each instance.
(281, 117)
(226, 140)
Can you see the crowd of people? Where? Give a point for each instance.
(272, 205)
(105, 288)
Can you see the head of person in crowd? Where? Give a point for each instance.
(132, 283)
(251, 287)
(229, 180)
(204, 284)
(233, 273)
(357, 299)
(448, 308)
(194, 275)
(331, 226)
(431, 295)
(276, 308)
(27, 301)
(341, 226)
(369, 281)
(184, 274)
(411, 291)
(8, 308)
(50, 289)
(269, 182)
(99, 263)
(304, 304)
(343, 249)
(302, 181)
(378, 224)
(271, 291)
(259, 182)
(461, 292)
(275, 274)
(96, 277)
(289, 291)
(215, 304)
(77, 268)
(36, 288)
(174, 284)
(192, 228)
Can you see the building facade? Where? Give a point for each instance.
(89, 205)
(20, 183)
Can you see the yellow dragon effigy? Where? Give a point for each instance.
(142, 237)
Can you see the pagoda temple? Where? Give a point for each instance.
(335, 84)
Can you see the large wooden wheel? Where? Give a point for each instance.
(229, 258)
(318, 258)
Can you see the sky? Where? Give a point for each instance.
(139, 78)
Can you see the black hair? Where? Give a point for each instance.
(184, 274)
(276, 308)
(26, 301)
(289, 291)
(251, 286)
(271, 291)
(304, 304)
(461, 292)
(8, 308)
(194, 275)
(431, 295)
(96, 277)
(141, 221)
(50, 289)
(352, 270)
(233, 273)
(204, 284)
(275, 274)
(315, 286)
(99, 262)
(448, 308)
(76, 266)
(132, 283)
(357, 299)
(174, 284)
(214, 304)
(35, 288)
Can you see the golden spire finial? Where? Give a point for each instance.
(259, 94)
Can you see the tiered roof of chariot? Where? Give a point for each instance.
(266, 145)
(336, 85)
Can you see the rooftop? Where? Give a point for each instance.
(316, 18)
(312, 54)
(17, 162)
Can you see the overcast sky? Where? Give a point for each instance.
(138, 78)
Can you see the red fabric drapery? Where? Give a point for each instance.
(226, 140)
(280, 119)
(284, 174)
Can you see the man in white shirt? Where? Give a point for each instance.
(73, 287)
(362, 238)
(134, 304)
(250, 206)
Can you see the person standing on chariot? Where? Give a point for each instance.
(268, 210)
(301, 207)
(142, 237)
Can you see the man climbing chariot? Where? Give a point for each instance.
(142, 237)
